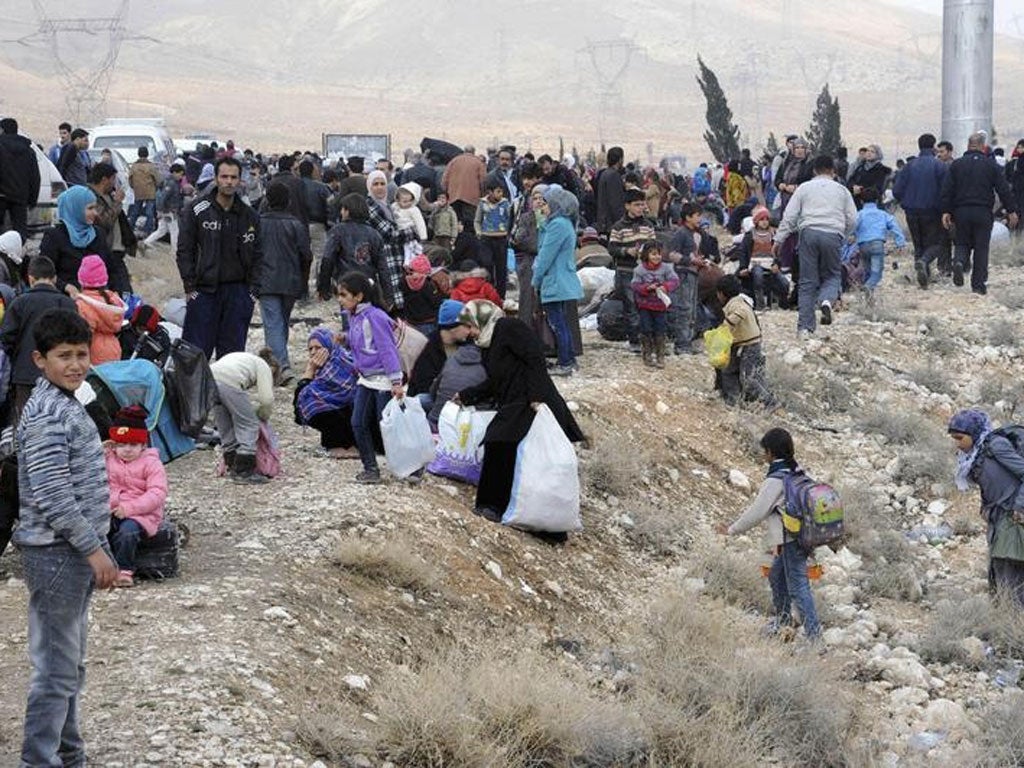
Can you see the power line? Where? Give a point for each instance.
(610, 60)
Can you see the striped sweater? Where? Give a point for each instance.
(62, 473)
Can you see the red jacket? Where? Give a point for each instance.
(469, 288)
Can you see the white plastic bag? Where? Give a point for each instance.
(546, 483)
(408, 444)
(460, 448)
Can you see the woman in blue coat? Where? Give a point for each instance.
(554, 271)
(989, 459)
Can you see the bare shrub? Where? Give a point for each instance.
(999, 623)
(1010, 298)
(933, 377)
(1002, 334)
(1001, 739)
(736, 579)
(930, 460)
(864, 516)
(323, 734)
(662, 529)
(496, 710)
(709, 701)
(836, 394)
(789, 386)
(607, 469)
(393, 562)
(877, 312)
(896, 426)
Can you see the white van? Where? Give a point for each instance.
(125, 136)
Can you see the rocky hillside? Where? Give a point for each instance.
(322, 623)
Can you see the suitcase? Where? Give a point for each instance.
(157, 557)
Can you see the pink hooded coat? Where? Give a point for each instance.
(139, 487)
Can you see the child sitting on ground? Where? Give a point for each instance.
(873, 224)
(444, 222)
(760, 272)
(788, 574)
(470, 282)
(422, 298)
(408, 216)
(237, 421)
(103, 310)
(653, 281)
(743, 377)
(138, 488)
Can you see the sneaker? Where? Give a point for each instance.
(287, 377)
(980, 291)
(922, 274)
(634, 347)
(561, 370)
(369, 477)
(415, 478)
(826, 313)
(249, 478)
(958, 275)
(804, 333)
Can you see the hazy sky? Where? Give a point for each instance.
(1009, 13)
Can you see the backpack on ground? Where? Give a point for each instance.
(813, 512)
(157, 556)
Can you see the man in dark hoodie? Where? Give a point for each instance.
(917, 188)
(19, 177)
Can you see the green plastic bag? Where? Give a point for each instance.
(718, 345)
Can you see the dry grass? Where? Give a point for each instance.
(865, 517)
(664, 530)
(931, 460)
(933, 377)
(609, 470)
(1011, 298)
(735, 579)
(494, 710)
(790, 387)
(1001, 740)
(896, 426)
(392, 562)
(1002, 333)
(998, 623)
(708, 701)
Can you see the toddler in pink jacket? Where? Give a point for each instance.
(138, 488)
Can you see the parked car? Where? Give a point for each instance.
(122, 167)
(126, 135)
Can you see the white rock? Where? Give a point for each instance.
(356, 682)
(904, 671)
(494, 569)
(661, 408)
(277, 613)
(739, 480)
(946, 715)
(554, 588)
(572, 405)
(673, 475)
(793, 356)
(938, 507)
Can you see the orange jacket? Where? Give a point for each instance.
(104, 315)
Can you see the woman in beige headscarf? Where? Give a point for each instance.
(517, 382)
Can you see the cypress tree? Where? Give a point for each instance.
(824, 133)
(722, 135)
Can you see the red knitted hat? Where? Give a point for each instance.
(129, 425)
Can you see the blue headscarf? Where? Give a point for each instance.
(561, 202)
(978, 425)
(334, 385)
(71, 211)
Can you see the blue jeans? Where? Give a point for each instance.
(653, 323)
(555, 312)
(276, 311)
(124, 540)
(60, 584)
(145, 208)
(788, 579)
(367, 406)
(683, 311)
(821, 273)
(872, 256)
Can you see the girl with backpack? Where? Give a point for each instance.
(788, 574)
(991, 459)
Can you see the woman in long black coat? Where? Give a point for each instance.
(518, 382)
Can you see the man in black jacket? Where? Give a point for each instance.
(73, 164)
(967, 201)
(219, 259)
(611, 193)
(19, 177)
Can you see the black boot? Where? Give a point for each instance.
(229, 461)
(245, 470)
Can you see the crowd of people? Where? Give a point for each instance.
(476, 255)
